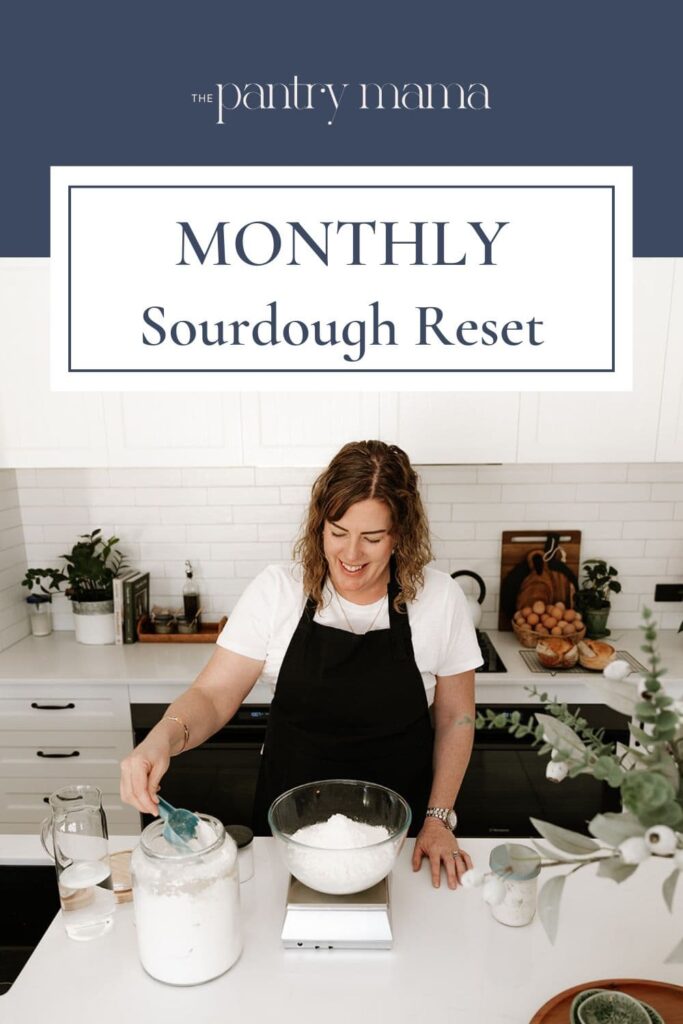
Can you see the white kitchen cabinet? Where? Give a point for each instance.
(445, 428)
(670, 440)
(39, 427)
(56, 734)
(611, 426)
(292, 429)
(173, 429)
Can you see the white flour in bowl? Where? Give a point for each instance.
(343, 855)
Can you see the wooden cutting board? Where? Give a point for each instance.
(666, 999)
(518, 544)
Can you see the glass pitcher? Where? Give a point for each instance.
(74, 835)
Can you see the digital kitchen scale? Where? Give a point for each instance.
(316, 920)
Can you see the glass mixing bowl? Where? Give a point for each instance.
(340, 871)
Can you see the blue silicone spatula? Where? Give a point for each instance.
(181, 825)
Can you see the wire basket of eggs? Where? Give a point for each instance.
(532, 622)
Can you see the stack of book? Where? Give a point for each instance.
(131, 602)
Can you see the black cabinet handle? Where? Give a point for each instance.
(52, 707)
(46, 799)
(74, 753)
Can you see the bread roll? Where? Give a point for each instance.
(557, 652)
(595, 654)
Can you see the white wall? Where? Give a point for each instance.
(233, 522)
(13, 614)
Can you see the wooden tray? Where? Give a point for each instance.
(666, 999)
(517, 544)
(206, 634)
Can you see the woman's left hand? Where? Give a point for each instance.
(440, 846)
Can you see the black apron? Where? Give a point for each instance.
(348, 706)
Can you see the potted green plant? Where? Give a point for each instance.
(40, 597)
(592, 598)
(91, 566)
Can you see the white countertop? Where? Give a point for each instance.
(450, 962)
(159, 672)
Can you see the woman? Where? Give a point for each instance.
(359, 637)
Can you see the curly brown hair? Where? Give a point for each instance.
(362, 470)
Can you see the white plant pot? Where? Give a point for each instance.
(94, 622)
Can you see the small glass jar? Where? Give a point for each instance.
(187, 909)
(518, 866)
(244, 838)
(40, 612)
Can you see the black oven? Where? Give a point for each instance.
(505, 784)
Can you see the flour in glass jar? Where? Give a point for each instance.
(187, 907)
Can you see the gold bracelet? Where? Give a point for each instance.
(186, 731)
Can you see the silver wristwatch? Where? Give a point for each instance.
(446, 816)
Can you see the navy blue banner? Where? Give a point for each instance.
(494, 82)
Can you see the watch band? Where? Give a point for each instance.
(446, 815)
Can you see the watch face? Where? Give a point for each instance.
(451, 820)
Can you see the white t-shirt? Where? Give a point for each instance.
(266, 615)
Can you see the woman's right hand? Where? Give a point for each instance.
(142, 771)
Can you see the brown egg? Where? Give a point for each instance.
(538, 607)
(578, 616)
(568, 627)
(560, 604)
(518, 617)
(569, 615)
(542, 631)
(526, 611)
(553, 612)
(532, 619)
(550, 621)
(556, 631)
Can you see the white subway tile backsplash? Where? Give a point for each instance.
(512, 516)
(223, 532)
(475, 493)
(667, 492)
(218, 476)
(284, 476)
(245, 495)
(174, 496)
(656, 472)
(448, 475)
(567, 514)
(643, 510)
(604, 492)
(234, 521)
(582, 473)
(522, 474)
(150, 477)
(653, 529)
(268, 513)
(554, 492)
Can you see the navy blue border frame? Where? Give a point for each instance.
(346, 369)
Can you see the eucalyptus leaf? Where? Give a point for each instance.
(615, 869)
(549, 905)
(545, 851)
(669, 888)
(561, 736)
(618, 694)
(640, 735)
(613, 828)
(676, 955)
(564, 839)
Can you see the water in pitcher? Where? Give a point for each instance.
(86, 895)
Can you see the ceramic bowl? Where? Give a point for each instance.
(606, 1007)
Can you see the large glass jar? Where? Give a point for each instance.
(187, 911)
